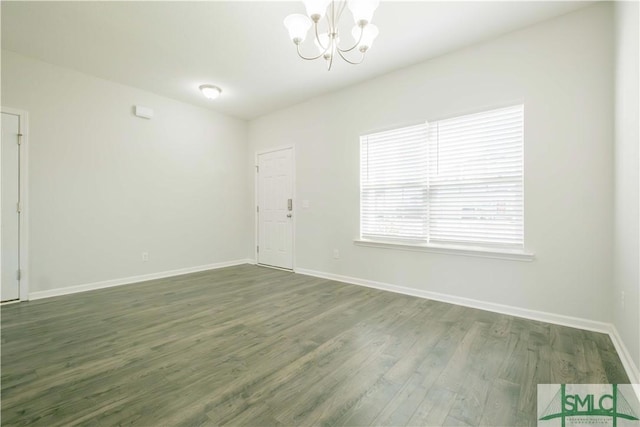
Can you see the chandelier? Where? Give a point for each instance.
(328, 42)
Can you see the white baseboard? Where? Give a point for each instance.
(625, 357)
(558, 319)
(133, 279)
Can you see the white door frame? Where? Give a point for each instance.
(24, 199)
(256, 198)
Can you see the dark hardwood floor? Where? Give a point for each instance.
(254, 346)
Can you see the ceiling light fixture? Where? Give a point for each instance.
(327, 42)
(210, 91)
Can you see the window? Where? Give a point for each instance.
(393, 197)
(455, 181)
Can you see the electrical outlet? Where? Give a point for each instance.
(145, 256)
(336, 254)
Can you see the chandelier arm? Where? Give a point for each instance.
(312, 58)
(309, 58)
(318, 38)
(330, 62)
(355, 45)
(351, 62)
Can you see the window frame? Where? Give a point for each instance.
(497, 251)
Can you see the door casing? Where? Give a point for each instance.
(24, 199)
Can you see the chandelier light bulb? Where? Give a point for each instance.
(298, 25)
(362, 10)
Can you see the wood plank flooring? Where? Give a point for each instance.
(248, 345)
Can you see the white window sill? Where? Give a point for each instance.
(475, 251)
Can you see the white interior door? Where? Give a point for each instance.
(275, 208)
(10, 227)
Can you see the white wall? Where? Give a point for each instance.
(105, 185)
(626, 273)
(563, 72)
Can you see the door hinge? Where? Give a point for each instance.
(257, 169)
(18, 207)
(19, 274)
(19, 139)
(258, 249)
(257, 208)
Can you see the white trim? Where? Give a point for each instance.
(558, 319)
(273, 150)
(293, 194)
(133, 279)
(24, 198)
(273, 267)
(255, 213)
(474, 251)
(625, 357)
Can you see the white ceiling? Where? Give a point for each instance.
(170, 48)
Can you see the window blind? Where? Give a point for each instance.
(475, 179)
(454, 181)
(393, 190)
